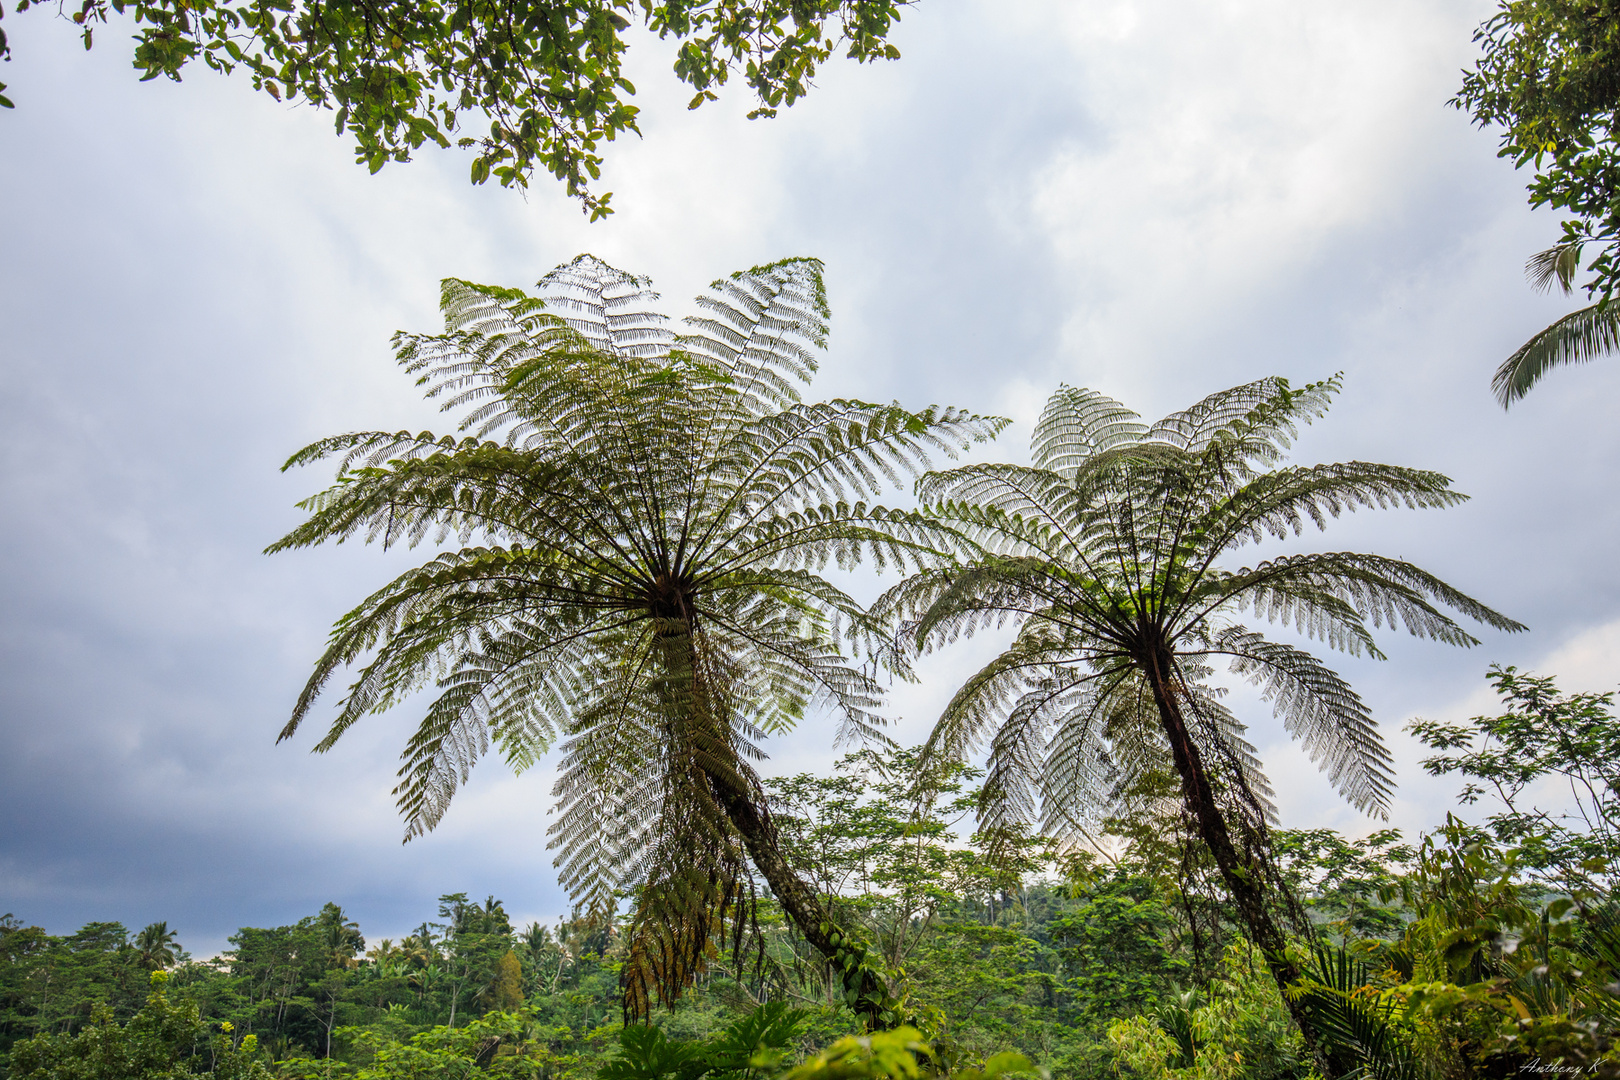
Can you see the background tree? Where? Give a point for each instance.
(339, 935)
(1346, 886)
(543, 78)
(1549, 79)
(63, 979)
(1114, 946)
(158, 945)
(656, 519)
(876, 843)
(160, 1042)
(1106, 552)
(1541, 734)
(476, 939)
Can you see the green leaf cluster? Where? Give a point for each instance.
(1549, 78)
(537, 86)
(1541, 734)
(165, 1040)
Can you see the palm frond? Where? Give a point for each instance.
(608, 307)
(1576, 338)
(1555, 265)
(1360, 1031)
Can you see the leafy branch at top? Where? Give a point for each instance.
(547, 75)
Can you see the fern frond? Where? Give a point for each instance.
(1329, 595)
(1078, 423)
(1318, 707)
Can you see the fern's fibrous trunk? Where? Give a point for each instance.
(736, 795)
(1244, 878)
(800, 902)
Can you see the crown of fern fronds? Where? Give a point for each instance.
(1109, 550)
(643, 513)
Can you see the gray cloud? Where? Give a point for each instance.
(1154, 197)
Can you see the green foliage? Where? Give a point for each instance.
(877, 842)
(1114, 943)
(1347, 887)
(288, 982)
(752, 1046)
(52, 984)
(1498, 972)
(165, 1040)
(158, 945)
(895, 1055)
(1549, 79)
(1540, 735)
(495, 1045)
(992, 962)
(1363, 1033)
(1454, 957)
(1239, 1027)
(546, 76)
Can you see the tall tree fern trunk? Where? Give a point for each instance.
(802, 905)
(744, 806)
(1244, 878)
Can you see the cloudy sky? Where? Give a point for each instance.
(1157, 198)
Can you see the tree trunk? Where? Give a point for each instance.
(1243, 878)
(801, 903)
(864, 990)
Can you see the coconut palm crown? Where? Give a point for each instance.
(1109, 554)
(654, 512)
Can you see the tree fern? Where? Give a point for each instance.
(1109, 553)
(644, 517)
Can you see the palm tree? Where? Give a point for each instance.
(339, 935)
(1106, 553)
(654, 523)
(157, 945)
